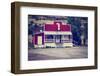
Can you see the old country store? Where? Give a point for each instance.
(54, 34)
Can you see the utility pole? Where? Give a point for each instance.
(83, 32)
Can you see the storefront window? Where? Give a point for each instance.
(66, 38)
(49, 38)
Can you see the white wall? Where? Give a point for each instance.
(5, 33)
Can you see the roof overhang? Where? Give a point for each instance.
(57, 33)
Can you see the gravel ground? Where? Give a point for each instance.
(57, 53)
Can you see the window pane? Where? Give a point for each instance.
(49, 38)
(66, 38)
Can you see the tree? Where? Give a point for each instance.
(77, 31)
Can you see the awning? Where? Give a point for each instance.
(57, 33)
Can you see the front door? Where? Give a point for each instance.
(39, 40)
(58, 39)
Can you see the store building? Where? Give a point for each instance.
(56, 34)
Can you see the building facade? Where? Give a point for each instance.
(56, 34)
